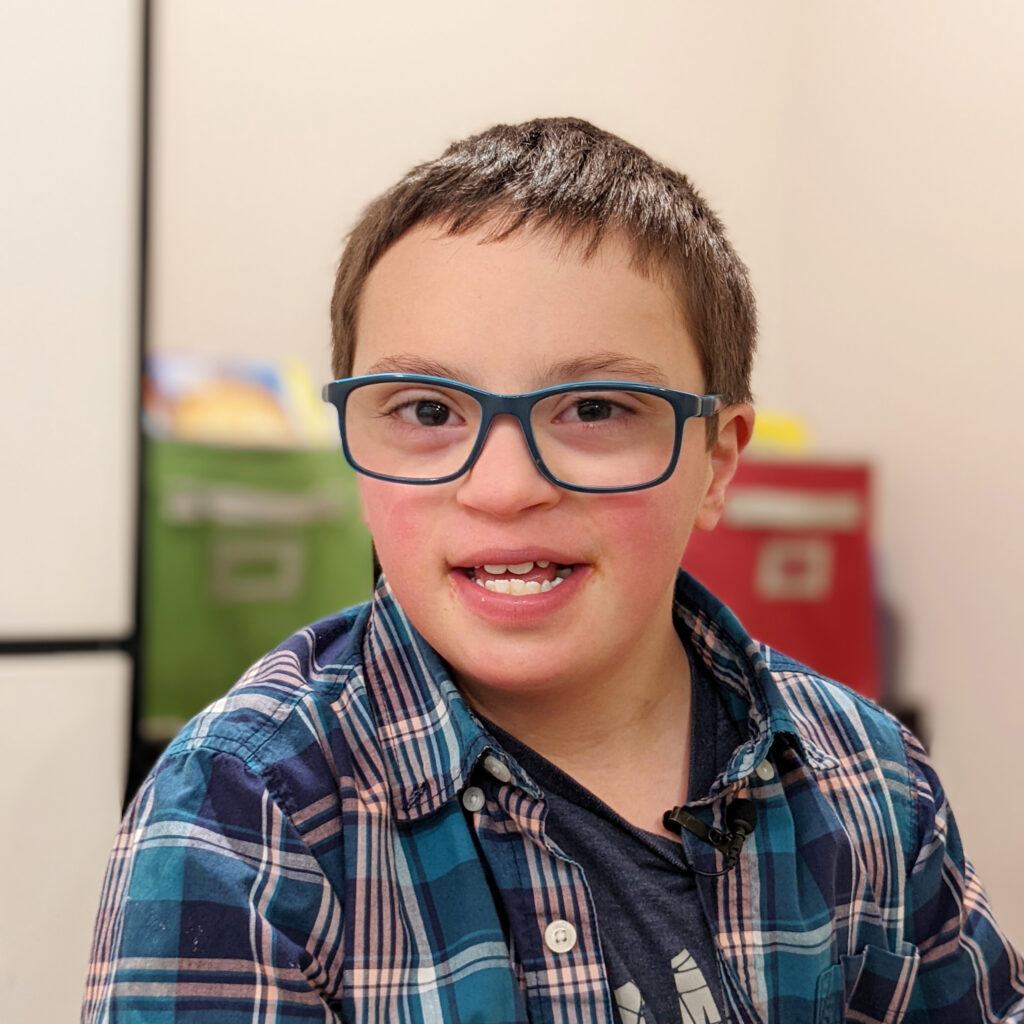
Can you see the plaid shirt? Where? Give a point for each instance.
(339, 839)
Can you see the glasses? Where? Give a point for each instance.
(595, 436)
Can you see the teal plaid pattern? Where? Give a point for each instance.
(301, 852)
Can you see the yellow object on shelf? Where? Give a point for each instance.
(777, 433)
(316, 419)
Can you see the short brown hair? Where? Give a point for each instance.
(565, 175)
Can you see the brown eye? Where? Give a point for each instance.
(411, 410)
(591, 410)
(430, 414)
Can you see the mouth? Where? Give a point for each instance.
(521, 579)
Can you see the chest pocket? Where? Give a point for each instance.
(872, 987)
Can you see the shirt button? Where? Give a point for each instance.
(497, 768)
(473, 798)
(765, 771)
(560, 936)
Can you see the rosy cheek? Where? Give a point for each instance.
(398, 518)
(650, 528)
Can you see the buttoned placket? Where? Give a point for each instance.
(557, 950)
(712, 890)
(762, 775)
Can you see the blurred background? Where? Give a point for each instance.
(178, 178)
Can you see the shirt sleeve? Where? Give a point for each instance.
(968, 970)
(213, 908)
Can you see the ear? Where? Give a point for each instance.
(735, 425)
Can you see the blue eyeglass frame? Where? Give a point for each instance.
(685, 405)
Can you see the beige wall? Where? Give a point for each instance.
(62, 754)
(69, 246)
(901, 315)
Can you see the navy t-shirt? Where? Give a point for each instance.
(657, 946)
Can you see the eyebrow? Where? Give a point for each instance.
(608, 365)
(408, 362)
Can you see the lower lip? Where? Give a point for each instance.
(516, 609)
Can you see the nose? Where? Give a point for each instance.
(504, 481)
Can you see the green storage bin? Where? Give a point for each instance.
(242, 547)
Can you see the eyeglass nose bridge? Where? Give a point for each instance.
(518, 407)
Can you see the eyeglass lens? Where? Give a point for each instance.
(585, 438)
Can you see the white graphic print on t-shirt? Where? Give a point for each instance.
(696, 1003)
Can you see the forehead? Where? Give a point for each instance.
(514, 313)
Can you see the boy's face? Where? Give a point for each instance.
(511, 317)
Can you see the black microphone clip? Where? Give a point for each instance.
(740, 820)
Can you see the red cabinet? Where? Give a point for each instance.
(792, 559)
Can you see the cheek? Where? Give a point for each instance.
(649, 529)
(399, 521)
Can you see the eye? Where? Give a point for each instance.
(594, 409)
(591, 410)
(425, 413)
(423, 410)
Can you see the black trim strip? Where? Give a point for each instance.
(139, 759)
(70, 645)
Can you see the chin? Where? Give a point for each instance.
(518, 668)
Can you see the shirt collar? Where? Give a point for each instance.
(741, 667)
(431, 740)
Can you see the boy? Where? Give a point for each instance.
(542, 775)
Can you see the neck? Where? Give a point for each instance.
(625, 737)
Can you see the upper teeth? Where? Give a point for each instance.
(519, 587)
(520, 569)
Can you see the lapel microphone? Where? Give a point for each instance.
(740, 819)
